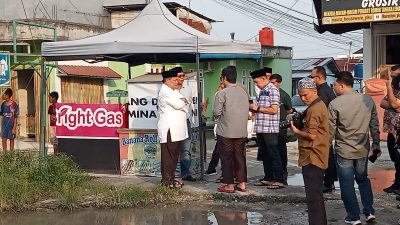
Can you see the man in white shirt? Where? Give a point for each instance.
(172, 127)
(186, 156)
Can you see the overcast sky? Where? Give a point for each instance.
(246, 28)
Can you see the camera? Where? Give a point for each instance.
(297, 119)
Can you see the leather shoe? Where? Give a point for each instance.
(397, 191)
(390, 189)
(328, 189)
(189, 178)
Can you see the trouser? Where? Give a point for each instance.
(232, 150)
(395, 157)
(186, 155)
(268, 144)
(214, 158)
(169, 158)
(313, 176)
(330, 172)
(350, 170)
(283, 151)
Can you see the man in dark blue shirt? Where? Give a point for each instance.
(285, 108)
(326, 94)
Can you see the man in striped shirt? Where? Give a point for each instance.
(267, 128)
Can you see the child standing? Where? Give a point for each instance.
(53, 98)
(10, 112)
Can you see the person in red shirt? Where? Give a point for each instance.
(53, 98)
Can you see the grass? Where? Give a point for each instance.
(26, 180)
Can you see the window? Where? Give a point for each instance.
(250, 86)
(202, 87)
(244, 79)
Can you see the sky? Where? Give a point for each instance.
(246, 28)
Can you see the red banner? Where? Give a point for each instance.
(89, 120)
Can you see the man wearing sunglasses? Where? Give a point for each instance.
(326, 94)
(186, 156)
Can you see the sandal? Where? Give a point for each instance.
(237, 188)
(276, 185)
(224, 190)
(263, 183)
(176, 184)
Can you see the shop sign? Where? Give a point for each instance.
(140, 153)
(89, 120)
(4, 69)
(117, 93)
(359, 11)
(143, 109)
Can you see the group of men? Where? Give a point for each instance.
(346, 119)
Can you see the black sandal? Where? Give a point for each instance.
(219, 180)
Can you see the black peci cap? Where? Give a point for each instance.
(260, 72)
(169, 73)
(178, 69)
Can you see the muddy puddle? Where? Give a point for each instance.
(136, 217)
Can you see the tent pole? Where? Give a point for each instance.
(201, 122)
(129, 71)
(43, 111)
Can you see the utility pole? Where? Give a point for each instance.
(348, 58)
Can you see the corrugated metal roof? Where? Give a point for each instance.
(300, 74)
(309, 64)
(89, 71)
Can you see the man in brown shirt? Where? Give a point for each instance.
(313, 149)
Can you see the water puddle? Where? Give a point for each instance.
(380, 179)
(135, 217)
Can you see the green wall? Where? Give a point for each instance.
(284, 68)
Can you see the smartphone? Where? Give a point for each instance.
(374, 155)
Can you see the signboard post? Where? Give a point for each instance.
(359, 11)
(5, 69)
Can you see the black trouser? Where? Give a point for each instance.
(170, 152)
(214, 158)
(312, 176)
(330, 172)
(395, 157)
(283, 151)
(233, 161)
(268, 144)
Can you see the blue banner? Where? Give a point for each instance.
(4, 69)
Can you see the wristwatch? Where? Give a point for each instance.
(258, 109)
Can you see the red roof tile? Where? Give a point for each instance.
(342, 64)
(89, 71)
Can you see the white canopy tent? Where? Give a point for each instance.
(155, 36)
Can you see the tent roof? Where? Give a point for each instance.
(155, 36)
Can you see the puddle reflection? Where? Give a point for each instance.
(135, 217)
